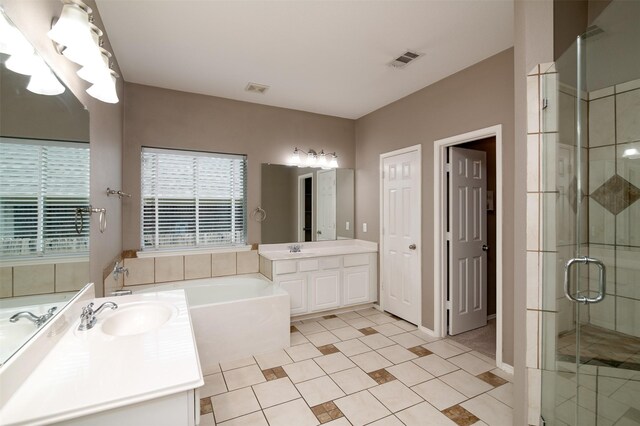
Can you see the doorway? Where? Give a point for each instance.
(305, 207)
(400, 233)
(468, 249)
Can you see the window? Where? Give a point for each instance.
(193, 199)
(41, 185)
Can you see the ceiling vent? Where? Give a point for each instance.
(405, 59)
(256, 88)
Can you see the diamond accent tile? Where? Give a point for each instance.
(616, 194)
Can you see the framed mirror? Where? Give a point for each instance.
(306, 204)
(44, 178)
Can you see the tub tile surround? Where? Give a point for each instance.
(359, 381)
(163, 268)
(55, 277)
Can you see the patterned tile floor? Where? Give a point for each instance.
(359, 368)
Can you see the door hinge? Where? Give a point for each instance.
(447, 167)
(447, 236)
(448, 305)
(545, 103)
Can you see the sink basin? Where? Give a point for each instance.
(137, 318)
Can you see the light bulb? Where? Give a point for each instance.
(311, 159)
(105, 89)
(96, 70)
(25, 63)
(295, 158)
(322, 160)
(72, 28)
(43, 82)
(334, 161)
(631, 153)
(88, 53)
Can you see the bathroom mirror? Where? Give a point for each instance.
(44, 177)
(306, 204)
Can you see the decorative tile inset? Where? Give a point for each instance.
(293, 329)
(274, 373)
(367, 331)
(492, 379)
(420, 351)
(616, 194)
(461, 416)
(326, 412)
(205, 406)
(328, 349)
(330, 316)
(381, 376)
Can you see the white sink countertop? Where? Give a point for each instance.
(92, 371)
(317, 249)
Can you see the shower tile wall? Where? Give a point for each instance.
(614, 209)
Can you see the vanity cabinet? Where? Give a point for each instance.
(318, 284)
(296, 286)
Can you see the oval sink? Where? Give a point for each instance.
(137, 318)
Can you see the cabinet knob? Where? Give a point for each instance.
(412, 247)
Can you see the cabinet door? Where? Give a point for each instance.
(296, 286)
(356, 282)
(325, 290)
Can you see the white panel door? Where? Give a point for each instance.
(401, 235)
(296, 286)
(325, 290)
(326, 214)
(356, 283)
(468, 226)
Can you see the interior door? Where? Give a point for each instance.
(401, 235)
(326, 205)
(468, 239)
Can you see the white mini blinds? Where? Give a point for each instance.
(193, 199)
(42, 185)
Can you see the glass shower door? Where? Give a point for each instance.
(590, 355)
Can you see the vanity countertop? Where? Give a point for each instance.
(90, 371)
(317, 249)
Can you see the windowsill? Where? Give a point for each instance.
(186, 251)
(43, 261)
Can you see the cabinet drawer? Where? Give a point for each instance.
(356, 260)
(330, 263)
(285, 267)
(308, 265)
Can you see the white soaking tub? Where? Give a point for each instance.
(233, 317)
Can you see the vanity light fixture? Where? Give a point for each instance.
(313, 159)
(631, 153)
(43, 82)
(79, 40)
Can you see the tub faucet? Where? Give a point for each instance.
(37, 320)
(119, 269)
(295, 248)
(89, 317)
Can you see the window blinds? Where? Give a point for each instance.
(192, 199)
(41, 185)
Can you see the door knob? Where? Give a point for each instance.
(412, 247)
(485, 247)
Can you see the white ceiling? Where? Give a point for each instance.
(328, 57)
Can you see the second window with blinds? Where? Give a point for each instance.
(192, 199)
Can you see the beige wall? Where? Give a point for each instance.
(164, 118)
(477, 97)
(33, 18)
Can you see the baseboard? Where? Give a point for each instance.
(428, 331)
(506, 368)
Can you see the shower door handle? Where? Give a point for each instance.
(602, 280)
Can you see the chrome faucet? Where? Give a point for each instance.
(295, 248)
(119, 269)
(37, 320)
(89, 317)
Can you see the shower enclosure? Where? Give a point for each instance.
(590, 234)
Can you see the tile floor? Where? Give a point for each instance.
(359, 368)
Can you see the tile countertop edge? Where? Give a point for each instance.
(14, 413)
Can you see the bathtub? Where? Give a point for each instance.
(233, 317)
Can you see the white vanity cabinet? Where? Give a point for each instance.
(322, 283)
